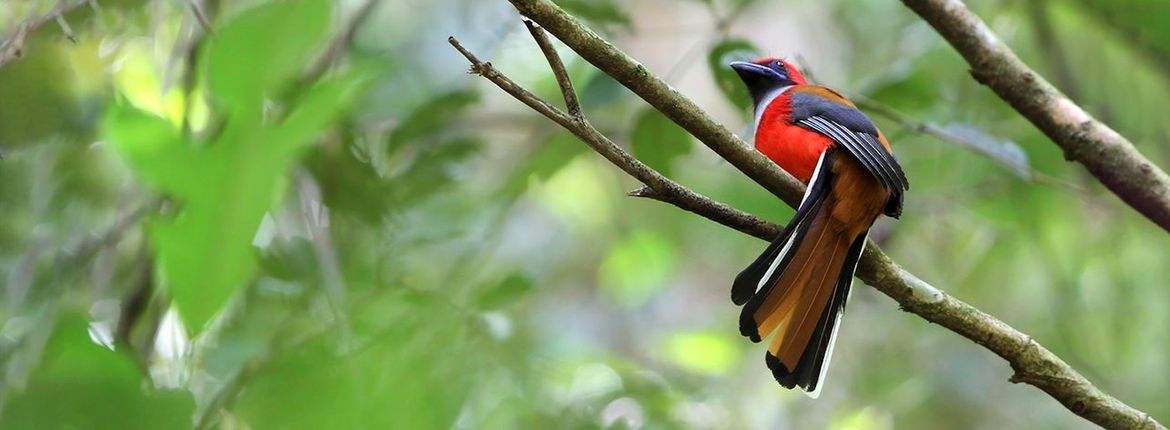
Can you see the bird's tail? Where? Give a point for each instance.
(798, 287)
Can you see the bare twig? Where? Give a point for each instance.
(72, 256)
(1015, 165)
(558, 68)
(661, 185)
(196, 7)
(1032, 363)
(65, 28)
(993, 150)
(13, 46)
(1107, 154)
(340, 43)
(665, 98)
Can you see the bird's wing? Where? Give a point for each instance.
(828, 113)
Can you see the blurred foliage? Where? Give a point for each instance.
(396, 244)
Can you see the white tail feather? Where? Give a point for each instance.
(788, 245)
(836, 327)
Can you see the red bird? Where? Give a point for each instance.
(797, 288)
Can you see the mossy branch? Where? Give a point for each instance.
(1033, 364)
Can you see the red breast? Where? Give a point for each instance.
(794, 148)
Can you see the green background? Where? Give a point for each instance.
(398, 244)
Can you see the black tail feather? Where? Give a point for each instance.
(748, 280)
(808, 370)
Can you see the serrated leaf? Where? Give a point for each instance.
(728, 82)
(657, 141)
(257, 53)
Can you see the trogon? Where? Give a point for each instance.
(796, 289)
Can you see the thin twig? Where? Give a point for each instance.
(196, 7)
(689, 200)
(13, 46)
(65, 28)
(558, 68)
(1017, 167)
(73, 256)
(1033, 364)
(339, 44)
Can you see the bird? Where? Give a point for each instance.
(796, 289)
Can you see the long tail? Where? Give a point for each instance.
(799, 284)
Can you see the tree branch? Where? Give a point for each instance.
(1084, 139)
(558, 68)
(13, 46)
(994, 151)
(1032, 363)
(340, 43)
(580, 127)
(663, 97)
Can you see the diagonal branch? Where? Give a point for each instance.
(1017, 165)
(1107, 154)
(666, 99)
(12, 46)
(580, 127)
(558, 68)
(1032, 363)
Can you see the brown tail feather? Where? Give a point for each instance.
(810, 276)
(817, 272)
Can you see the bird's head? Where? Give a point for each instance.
(766, 75)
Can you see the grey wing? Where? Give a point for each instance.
(865, 147)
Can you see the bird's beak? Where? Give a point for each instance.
(750, 72)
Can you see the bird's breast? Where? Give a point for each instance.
(794, 148)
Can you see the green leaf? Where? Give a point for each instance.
(431, 172)
(153, 147)
(319, 107)
(349, 183)
(506, 291)
(256, 53)
(36, 95)
(657, 140)
(205, 251)
(433, 116)
(601, 90)
(552, 155)
(723, 54)
(80, 384)
(289, 259)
